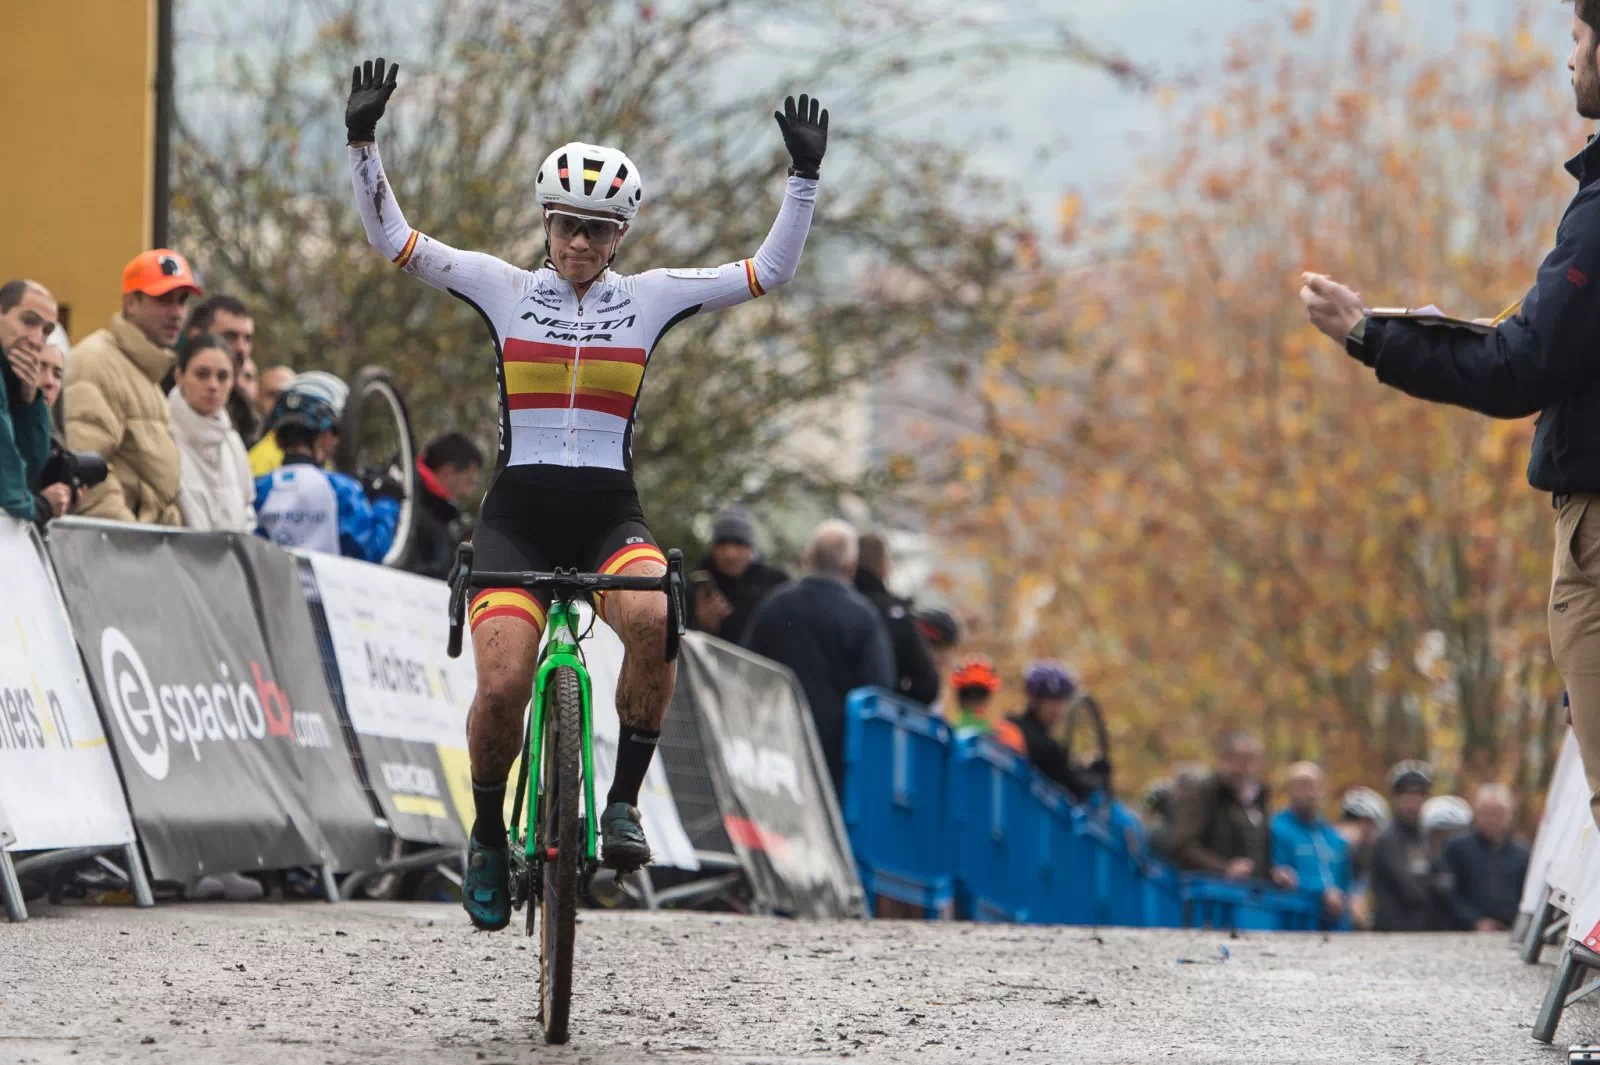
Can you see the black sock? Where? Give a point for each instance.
(489, 829)
(635, 748)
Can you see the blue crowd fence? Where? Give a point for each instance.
(937, 820)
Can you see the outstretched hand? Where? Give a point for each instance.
(805, 134)
(1333, 308)
(369, 95)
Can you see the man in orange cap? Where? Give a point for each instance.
(114, 405)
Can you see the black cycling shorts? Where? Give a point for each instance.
(544, 517)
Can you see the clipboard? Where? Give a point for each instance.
(1433, 316)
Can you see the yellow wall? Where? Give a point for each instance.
(77, 81)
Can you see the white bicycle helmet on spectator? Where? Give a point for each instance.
(324, 385)
(591, 177)
(1445, 811)
(1364, 804)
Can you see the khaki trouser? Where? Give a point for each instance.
(1575, 626)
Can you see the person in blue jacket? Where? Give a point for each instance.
(300, 504)
(1305, 841)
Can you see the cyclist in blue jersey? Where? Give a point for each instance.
(572, 342)
(300, 504)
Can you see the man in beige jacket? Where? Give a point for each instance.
(114, 404)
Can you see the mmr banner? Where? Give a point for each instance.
(224, 770)
(771, 780)
(1566, 807)
(57, 779)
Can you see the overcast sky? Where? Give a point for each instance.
(1098, 128)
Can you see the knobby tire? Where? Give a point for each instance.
(559, 905)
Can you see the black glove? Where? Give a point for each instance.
(385, 486)
(804, 134)
(369, 95)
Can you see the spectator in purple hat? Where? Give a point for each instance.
(1050, 689)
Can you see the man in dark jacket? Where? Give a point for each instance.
(1219, 823)
(1487, 865)
(1403, 899)
(1050, 689)
(27, 315)
(831, 637)
(447, 474)
(915, 675)
(731, 582)
(1540, 360)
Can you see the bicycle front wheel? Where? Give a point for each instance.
(558, 906)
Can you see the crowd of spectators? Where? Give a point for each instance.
(162, 417)
(1417, 862)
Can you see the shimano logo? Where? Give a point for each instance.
(762, 769)
(159, 722)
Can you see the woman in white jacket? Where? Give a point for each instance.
(216, 491)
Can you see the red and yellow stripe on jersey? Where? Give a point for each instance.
(540, 376)
(405, 252)
(621, 560)
(756, 291)
(506, 603)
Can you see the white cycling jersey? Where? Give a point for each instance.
(569, 369)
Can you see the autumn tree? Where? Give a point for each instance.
(1176, 483)
(490, 86)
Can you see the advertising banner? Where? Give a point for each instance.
(57, 779)
(1566, 807)
(771, 780)
(220, 765)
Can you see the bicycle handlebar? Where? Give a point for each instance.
(463, 579)
(559, 580)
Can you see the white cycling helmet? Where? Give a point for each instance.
(591, 177)
(1364, 804)
(1446, 811)
(324, 385)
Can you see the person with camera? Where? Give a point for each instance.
(300, 504)
(27, 315)
(217, 491)
(114, 403)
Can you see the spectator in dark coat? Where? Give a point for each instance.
(915, 675)
(831, 637)
(447, 475)
(1487, 865)
(731, 581)
(27, 315)
(1402, 868)
(1219, 823)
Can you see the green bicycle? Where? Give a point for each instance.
(548, 863)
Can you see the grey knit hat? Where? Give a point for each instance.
(733, 526)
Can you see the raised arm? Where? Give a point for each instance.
(491, 285)
(805, 134)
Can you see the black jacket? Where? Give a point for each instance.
(1542, 360)
(1487, 879)
(915, 674)
(1402, 885)
(437, 530)
(744, 593)
(1050, 757)
(835, 642)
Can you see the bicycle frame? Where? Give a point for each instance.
(561, 649)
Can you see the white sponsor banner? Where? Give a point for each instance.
(57, 780)
(389, 632)
(7, 837)
(1565, 802)
(602, 654)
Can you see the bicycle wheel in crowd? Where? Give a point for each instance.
(375, 440)
(1097, 771)
(562, 834)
